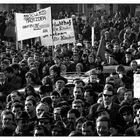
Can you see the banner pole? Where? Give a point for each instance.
(21, 46)
(16, 33)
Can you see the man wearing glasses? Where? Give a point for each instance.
(108, 104)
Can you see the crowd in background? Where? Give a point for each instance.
(36, 98)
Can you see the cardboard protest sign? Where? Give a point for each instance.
(31, 25)
(46, 40)
(136, 85)
(63, 32)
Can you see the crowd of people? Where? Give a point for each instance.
(37, 99)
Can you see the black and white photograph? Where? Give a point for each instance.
(69, 69)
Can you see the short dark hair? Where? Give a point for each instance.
(9, 69)
(103, 118)
(78, 101)
(43, 89)
(17, 105)
(120, 68)
(64, 91)
(89, 123)
(81, 120)
(91, 91)
(31, 99)
(55, 93)
(109, 89)
(15, 66)
(127, 90)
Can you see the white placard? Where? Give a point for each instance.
(31, 25)
(63, 32)
(136, 85)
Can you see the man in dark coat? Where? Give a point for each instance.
(5, 88)
(107, 103)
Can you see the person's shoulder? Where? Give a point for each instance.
(115, 104)
(130, 131)
(1, 132)
(95, 105)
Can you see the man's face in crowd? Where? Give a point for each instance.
(79, 127)
(40, 109)
(7, 121)
(138, 116)
(29, 107)
(111, 60)
(15, 96)
(23, 124)
(127, 116)
(128, 96)
(91, 59)
(2, 78)
(55, 98)
(3, 65)
(102, 128)
(77, 92)
(60, 84)
(25, 56)
(120, 94)
(36, 57)
(128, 57)
(87, 97)
(30, 60)
(7, 74)
(56, 113)
(57, 61)
(93, 78)
(17, 111)
(78, 69)
(116, 48)
(8, 51)
(107, 97)
(71, 117)
(78, 84)
(134, 65)
(107, 55)
(117, 80)
(75, 58)
(87, 130)
(15, 60)
(39, 132)
(78, 106)
(28, 79)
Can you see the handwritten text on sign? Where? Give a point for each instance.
(63, 31)
(30, 25)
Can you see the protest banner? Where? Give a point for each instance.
(46, 40)
(136, 85)
(63, 32)
(31, 25)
